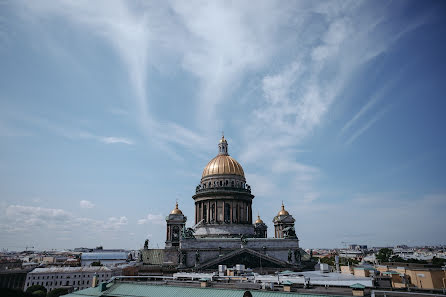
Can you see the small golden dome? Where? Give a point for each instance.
(283, 212)
(223, 139)
(259, 220)
(223, 164)
(176, 210)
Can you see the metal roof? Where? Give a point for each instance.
(147, 290)
(71, 269)
(105, 256)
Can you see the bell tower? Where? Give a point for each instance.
(175, 224)
(284, 224)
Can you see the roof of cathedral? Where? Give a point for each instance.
(259, 220)
(176, 210)
(223, 164)
(283, 212)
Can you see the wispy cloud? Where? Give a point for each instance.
(367, 125)
(110, 140)
(298, 97)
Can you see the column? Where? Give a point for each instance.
(230, 211)
(250, 213)
(216, 211)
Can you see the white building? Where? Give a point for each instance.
(77, 278)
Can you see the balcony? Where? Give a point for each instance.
(199, 190)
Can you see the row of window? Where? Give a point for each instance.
(62, 276)
(61, 283)
(220, 183)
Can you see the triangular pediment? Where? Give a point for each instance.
(248, 257)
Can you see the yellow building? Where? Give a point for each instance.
(414, 275)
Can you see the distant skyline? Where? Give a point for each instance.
(110, 110)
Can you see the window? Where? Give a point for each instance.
(227, 213)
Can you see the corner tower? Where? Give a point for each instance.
(223, 200)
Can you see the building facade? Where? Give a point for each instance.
(73, 278)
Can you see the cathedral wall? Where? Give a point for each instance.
(210, 248)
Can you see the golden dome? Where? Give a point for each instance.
(176, 210)
(283, 212)
(223, 164)
(259, 220)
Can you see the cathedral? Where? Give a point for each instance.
(223, 230)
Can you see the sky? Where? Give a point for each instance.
(110, 110)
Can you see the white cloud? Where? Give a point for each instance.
(117, 222)
(25, 219)
(152, 219)
(86, 204)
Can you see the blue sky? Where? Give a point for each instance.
(109, 111)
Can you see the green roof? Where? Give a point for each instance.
(148, 290)
(357, 286)
(287, 283)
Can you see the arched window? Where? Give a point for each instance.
(176, 233)
(226, 182)
(232, 183)
(221, 183)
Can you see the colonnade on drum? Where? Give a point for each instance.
(223, 211)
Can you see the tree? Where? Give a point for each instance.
(36, 288)
(57, 292)
(39, 293)
(438, 261)
(328, 260)
(384, 255)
